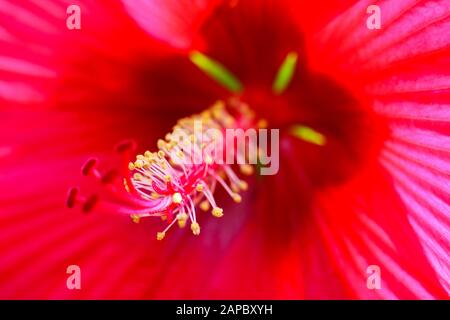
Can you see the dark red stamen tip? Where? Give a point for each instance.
(109, 176)
(72, 197)
(90, 203)
(89, 166)
(124, 146)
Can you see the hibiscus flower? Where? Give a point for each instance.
(363, 177)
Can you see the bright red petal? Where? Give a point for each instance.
(173, 21)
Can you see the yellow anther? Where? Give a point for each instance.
(183, 120)
(245, 109)
(217, 212)
(154, 195)
(247, 169)
(237, 198)
(131, 166)
(208, 160)
(199, 187)
(148, 154)
(137, 176)
(218, 105)
(218, 109)
(204, 205)
(205, 115)
(168, 136)
(177, 198)
(182, 216)
(160, 236)
(135, 218)
(195, 227)
(182, 219)
(161, 144)
(163, 218)
(181, 224)
(139, 164)
(243, 185)
(140, 157)
(228, 121)
(262, 124)
(167, 178)
(180, 154)
(161, 154)
(217, 114)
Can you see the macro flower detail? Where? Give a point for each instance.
(183, 174)
(363, 119)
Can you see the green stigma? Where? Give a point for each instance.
(308, 134)
(285, 73)
(216, 71)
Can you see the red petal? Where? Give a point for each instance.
(176, 22)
